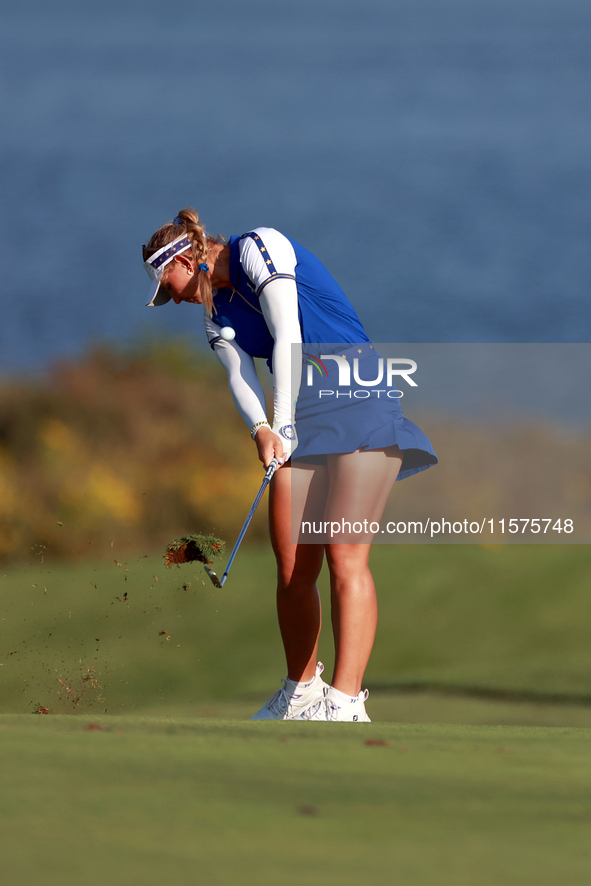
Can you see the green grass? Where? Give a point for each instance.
(302, 804)
(174, 784)
(425, 707)
(510, 618)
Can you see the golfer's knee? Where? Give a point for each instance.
(346, 560)
(299, 572)
(296, 582)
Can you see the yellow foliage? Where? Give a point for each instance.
(8, 491)
(208, 484)
(102, 492)
(113, 494)
(10, 540)
(59, 437)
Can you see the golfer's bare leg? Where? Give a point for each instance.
(298, 567)
(359, 487)
(354, 613)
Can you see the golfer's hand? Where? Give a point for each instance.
(269, 446)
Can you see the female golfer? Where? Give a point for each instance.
(266, 296)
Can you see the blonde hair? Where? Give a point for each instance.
(187, 222)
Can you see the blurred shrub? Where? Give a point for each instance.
(126, 450)
(133, 447)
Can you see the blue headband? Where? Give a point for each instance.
(165, 255)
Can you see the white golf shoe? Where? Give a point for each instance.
(345, 708)
(296, 701)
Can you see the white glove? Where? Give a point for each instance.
(288, 435)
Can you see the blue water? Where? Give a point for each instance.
(434, 153)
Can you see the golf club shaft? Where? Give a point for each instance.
(270, 471)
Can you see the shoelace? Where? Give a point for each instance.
(332, 709)
(310, 713)
(279, 703)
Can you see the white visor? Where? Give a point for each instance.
(155, 267)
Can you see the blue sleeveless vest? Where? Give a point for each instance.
(325, 313)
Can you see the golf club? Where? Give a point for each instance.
(220, 582)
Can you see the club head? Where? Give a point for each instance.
(212, 575)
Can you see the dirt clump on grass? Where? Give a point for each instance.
(191, 548)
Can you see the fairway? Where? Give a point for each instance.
(166, 642)
(141, 800)
(174, 784)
